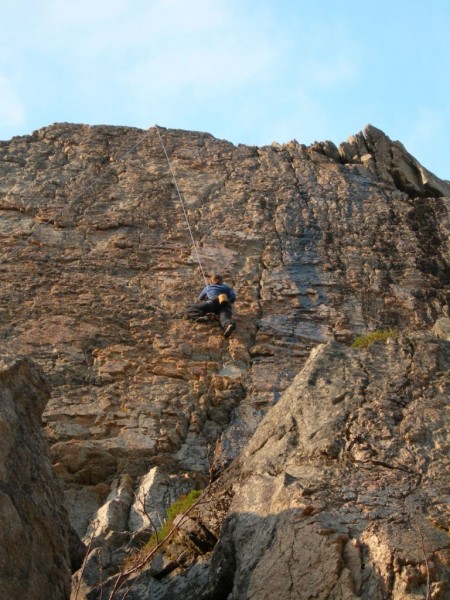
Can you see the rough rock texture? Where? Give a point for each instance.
(391, 162)
(341, 493)
(320, 243)
(442, 328)
(34, 527)
(343, 489)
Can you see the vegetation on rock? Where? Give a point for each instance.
(177, 508)
(375, 336)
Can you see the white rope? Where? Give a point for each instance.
(194, 245)
(87, 187)
(36, 228)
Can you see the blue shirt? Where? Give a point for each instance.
(214, 289)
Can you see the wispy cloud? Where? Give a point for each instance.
(214, 70)
(334, 70)
(330, 55)
(118, 26)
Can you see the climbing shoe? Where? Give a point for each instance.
(204, 319)
(229, 330)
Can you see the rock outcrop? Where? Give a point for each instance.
(35, 535)
(390, 161)
(342, 491)
(320, 243)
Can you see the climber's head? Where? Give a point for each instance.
(216, 279)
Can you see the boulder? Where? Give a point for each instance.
(35, 536)
(442, 328)
(393, 163)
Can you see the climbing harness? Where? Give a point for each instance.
(194, 245)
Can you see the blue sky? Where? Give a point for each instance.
(249, 71)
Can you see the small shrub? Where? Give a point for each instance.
(177, 508)
(376, 336)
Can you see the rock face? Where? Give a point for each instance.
(342, 490)
(34, 527)
(320, 243)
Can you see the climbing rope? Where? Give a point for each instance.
(194, 245)
(87, 187)
(90, 186)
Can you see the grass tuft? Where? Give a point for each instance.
(376, 336)
(177, 508)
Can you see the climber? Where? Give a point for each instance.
(216, 298)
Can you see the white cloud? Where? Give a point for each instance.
(84, 13)
(215, 71)
(198, 50)
(150, 15)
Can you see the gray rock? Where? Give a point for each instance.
(393, 163)
(154, 495)
(112, 516)
(342, 490)
(35, 535)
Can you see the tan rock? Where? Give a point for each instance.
(97, 294)
(319, 244)
(442, 328)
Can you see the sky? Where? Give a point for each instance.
(248, 71)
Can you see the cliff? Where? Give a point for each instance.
(35, 535)
(341, 492)
(320, 243)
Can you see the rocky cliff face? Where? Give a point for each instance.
(341, 492)
(351, 466)
(320, 243)
(34, 527)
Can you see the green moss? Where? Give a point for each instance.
(376, 336)
(179, 507)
